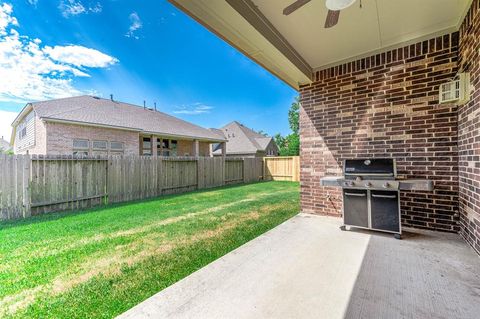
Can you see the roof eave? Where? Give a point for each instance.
(55, 120)
(269, 49)
(190, 137)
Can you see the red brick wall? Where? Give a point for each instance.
(385, 106)
(469, 130)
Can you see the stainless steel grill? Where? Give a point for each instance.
(371, 193)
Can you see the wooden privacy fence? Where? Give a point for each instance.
(32, 185)
(282, 168)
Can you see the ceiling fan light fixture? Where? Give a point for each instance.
(336, 5)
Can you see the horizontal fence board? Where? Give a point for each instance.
(34, 185)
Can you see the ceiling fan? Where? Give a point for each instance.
(333, 6)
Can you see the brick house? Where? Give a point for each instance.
(88, 125)
(369, 87)
(245, 142)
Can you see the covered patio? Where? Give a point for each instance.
(306, 268)
(369, 85)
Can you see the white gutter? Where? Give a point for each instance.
(26, 109)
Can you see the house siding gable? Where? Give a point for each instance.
(25, 133)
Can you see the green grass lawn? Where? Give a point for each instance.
(101, 262)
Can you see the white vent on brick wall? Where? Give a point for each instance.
(456, 91)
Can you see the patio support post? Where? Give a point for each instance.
(153, 140)
(160, 140)
(196, 148)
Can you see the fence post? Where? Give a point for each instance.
(26, 186)
(200, 172)
(106, 192)
(160, 173)
(223, 169)
(264, 168)
(296, 169)
(243, 171)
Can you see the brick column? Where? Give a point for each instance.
(153, 145)
(196, 148)
(210, 150)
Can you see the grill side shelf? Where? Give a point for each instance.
(333, 181)
(416, 185)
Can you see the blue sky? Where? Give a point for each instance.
(135, 50)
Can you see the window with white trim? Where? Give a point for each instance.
(146, 146)
(80, 144)
(22, 132)
(116, 146)
(99, 145)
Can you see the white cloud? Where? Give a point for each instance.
(6, 119)
(96, 8)
(5, 18)
(135, 24)
(80, 56)
(193, 109)
(33, 2)
(72, 8)
(32, 72)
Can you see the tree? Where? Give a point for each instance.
(294, 115)
(290, 144)
(262, 132)
(279, 140)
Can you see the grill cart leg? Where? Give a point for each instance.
(343, 227)
(397, 236)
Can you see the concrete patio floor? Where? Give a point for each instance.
(308, 268)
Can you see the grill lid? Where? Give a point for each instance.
(375, 167)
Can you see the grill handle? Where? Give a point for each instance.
(384, 196)
(356, 194)
(369, 174)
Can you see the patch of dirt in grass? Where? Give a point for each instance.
(13, 303)
(147, 246)
(45, 251)
(144, 248)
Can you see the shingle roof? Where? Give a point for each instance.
(97, 111)
(242, 140)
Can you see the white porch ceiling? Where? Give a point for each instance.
(379, 24)
(292, 47)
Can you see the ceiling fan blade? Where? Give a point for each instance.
(294, 6)
(332, 18)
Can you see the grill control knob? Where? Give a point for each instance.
(386, 185)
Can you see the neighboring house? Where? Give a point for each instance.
(244, 142)
(4, 146)
(89, 125)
